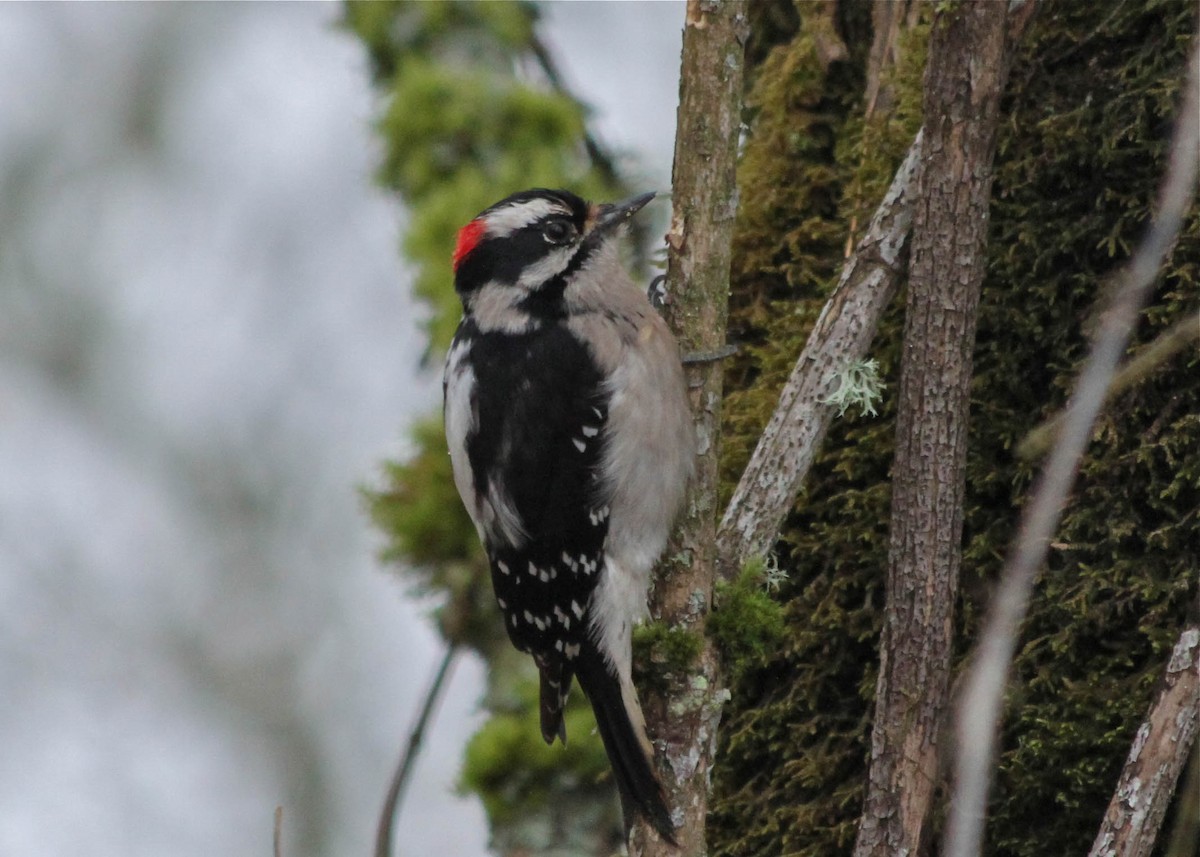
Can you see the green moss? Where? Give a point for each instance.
(746, 622)
(659, 649)
(460, 130)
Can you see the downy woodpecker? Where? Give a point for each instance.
(572, 444)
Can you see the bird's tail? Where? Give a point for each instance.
(623, 731)
(553, 692)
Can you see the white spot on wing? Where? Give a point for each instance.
(579, 444)
(590, 431)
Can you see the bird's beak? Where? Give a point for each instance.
(614, 215)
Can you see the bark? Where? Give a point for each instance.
(964, 79)
(683, 712)
(843, 332)
(1159, 753)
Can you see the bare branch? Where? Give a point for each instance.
(842, 335)
(1159, 753)
(399, 784)
(979, 714)
(277, 833)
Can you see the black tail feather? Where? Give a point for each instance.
(553, 691)
(637, 784)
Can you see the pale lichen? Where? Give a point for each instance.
(858, 383)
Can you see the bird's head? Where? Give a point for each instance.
(527, 248)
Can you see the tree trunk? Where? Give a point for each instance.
(683, 712)
(1159, 753)
(964, 78)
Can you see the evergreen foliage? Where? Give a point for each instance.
(1081, 149)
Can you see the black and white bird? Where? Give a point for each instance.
(572, 444)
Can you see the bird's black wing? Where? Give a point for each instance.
(541, 410)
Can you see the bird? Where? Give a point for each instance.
(572, 444)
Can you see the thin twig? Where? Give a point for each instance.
(277, 837)
(1168, 343)
(601, 159)
(979, 714)
(399, 784)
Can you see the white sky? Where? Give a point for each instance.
(206, 345)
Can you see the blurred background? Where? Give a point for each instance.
(208, 345)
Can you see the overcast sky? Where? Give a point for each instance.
(206, 345)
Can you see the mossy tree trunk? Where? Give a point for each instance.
(683, 712)
(965, 74)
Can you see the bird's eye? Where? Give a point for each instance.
(558, 232)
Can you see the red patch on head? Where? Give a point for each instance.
(468, 238)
